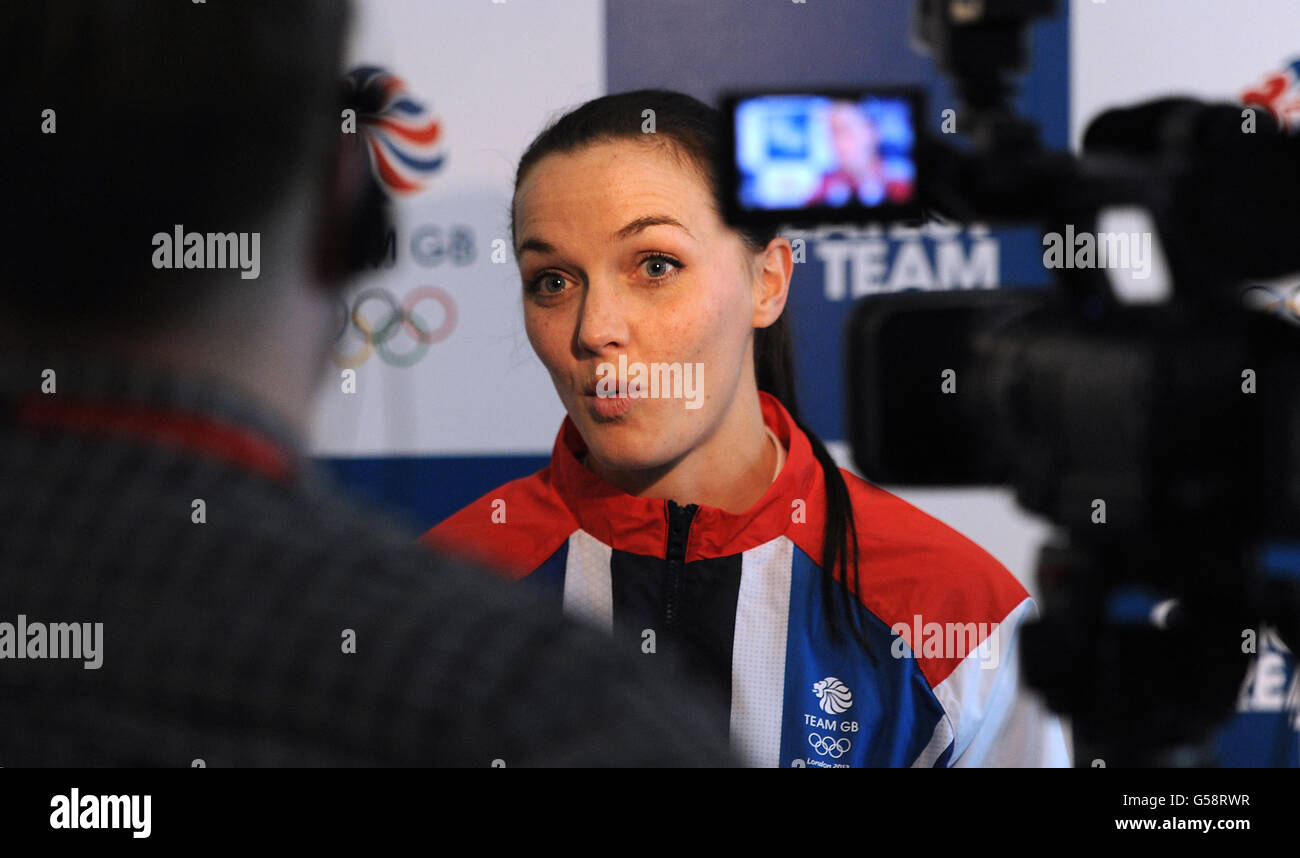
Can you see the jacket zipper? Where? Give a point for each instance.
(679, 528)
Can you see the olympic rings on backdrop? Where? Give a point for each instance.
(829, 746)
(398, 317)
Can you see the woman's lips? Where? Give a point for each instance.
(609, 407)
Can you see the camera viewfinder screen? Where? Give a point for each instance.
(820, 151)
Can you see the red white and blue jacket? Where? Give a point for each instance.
(738, 600)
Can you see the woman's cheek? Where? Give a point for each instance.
(691, 324)
(541, 330)
(710, 338)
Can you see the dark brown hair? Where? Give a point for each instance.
(691, 131)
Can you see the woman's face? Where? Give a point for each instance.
(854, 137)
(622, 255)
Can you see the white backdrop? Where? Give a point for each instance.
(493, 73)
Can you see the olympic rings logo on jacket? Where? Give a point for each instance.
(829, 746)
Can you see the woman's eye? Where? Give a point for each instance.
(547, 284)
(658, 267)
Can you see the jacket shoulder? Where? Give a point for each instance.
(909, 544)
(512, 528)
(916, 570)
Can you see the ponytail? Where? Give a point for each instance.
(774, 369)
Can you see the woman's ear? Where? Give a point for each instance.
(771, 281)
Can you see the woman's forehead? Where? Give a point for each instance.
(607, 185)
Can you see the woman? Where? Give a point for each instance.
(693, 514)
(859, 170)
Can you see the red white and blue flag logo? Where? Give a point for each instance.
(402, 135)
(1279, 94)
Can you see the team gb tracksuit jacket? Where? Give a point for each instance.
(737, 599)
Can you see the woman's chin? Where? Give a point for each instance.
(619, 447)
(635, 437)
(623, 456)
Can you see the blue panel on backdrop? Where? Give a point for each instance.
(424, 491)
(705, 47)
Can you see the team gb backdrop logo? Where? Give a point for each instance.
(1279, 94)
(402, 135)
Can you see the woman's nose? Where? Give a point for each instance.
(602, 324)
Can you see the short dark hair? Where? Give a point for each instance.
(166, 112)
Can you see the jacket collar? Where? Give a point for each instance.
(108, 396)
(639, 525)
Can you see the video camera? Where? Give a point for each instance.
(1162, 439)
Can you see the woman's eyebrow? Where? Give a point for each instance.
(536, 245)
(644, 222)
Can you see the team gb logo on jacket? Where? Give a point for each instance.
(833, 696)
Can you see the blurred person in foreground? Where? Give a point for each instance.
(177, 582)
